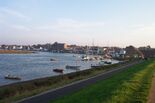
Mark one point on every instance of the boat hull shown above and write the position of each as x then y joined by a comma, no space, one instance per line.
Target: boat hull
72,67
13,78
96,66
58,70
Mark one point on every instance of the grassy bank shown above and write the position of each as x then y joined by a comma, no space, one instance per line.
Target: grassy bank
14,52
129,86
21,90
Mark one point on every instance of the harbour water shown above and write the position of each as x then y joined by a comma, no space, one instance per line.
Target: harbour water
38,65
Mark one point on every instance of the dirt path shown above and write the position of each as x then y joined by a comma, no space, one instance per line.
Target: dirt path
151,98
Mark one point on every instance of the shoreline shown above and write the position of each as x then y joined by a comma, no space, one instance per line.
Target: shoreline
46,78
15,52
16,91
130,85
67,74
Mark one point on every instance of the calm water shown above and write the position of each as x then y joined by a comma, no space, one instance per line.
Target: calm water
37,65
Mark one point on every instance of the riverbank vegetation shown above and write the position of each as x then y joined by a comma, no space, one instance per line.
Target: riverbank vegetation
129,86
14,92
15,52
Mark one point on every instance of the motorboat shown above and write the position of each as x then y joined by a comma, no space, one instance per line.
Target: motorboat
92,58
72,67
106,61
74,56
85,58
52,59
12,77
58,70
96,66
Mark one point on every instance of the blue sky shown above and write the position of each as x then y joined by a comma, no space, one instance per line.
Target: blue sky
106,22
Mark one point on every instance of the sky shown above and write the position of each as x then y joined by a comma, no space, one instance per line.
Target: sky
82,22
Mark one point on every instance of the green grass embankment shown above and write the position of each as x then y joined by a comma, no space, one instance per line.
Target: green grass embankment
129,86
19,91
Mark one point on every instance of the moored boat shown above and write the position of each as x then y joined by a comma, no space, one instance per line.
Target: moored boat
12,77
106,61
96,66
72,67
52,59
85,58
58,70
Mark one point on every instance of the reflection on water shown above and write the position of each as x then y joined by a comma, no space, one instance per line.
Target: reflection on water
32,66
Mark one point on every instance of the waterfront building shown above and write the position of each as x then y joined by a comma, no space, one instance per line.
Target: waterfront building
58,47
147,51
132,52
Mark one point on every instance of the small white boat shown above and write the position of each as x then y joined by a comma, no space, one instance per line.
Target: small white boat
12,77
74,56
106,61
96,66
85,58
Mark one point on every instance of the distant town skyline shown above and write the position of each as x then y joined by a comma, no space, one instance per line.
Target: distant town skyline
82,22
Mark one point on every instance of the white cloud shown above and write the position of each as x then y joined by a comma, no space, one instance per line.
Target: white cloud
20,27
144,30
14,13
137,26
71,25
